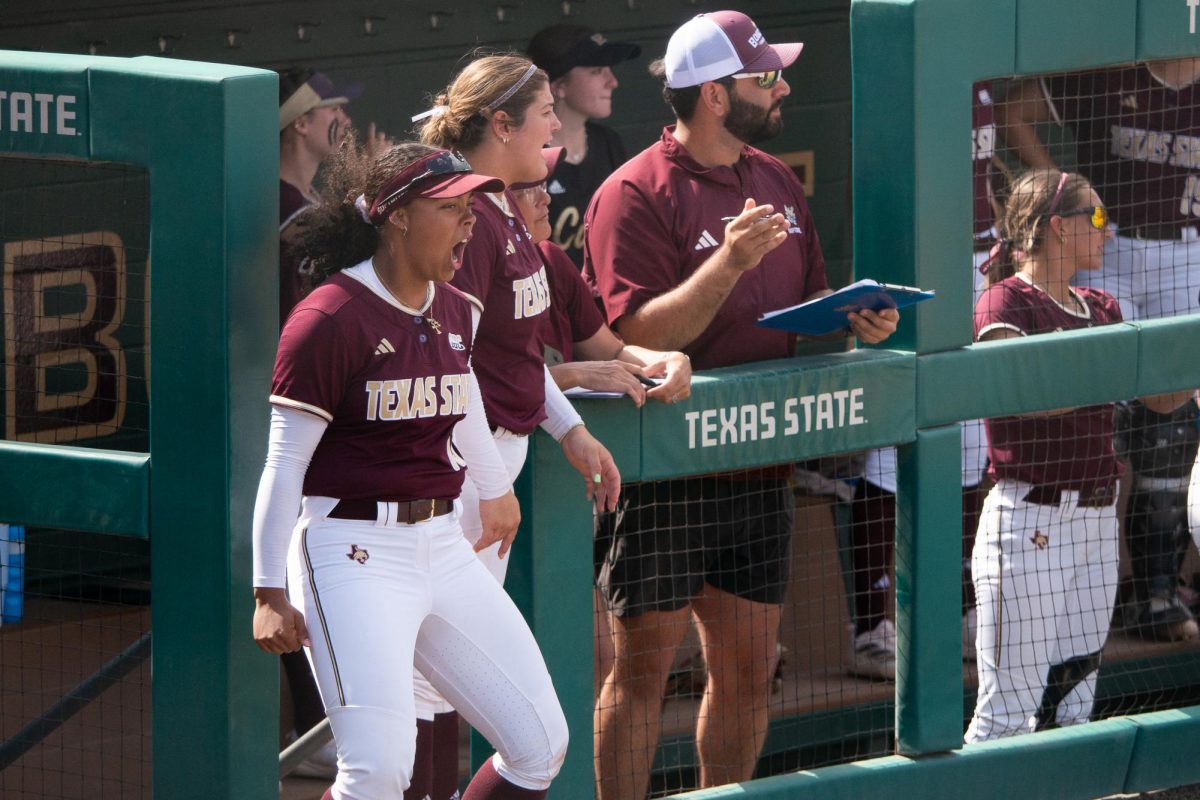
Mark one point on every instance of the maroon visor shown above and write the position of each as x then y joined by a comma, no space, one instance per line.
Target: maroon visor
440,174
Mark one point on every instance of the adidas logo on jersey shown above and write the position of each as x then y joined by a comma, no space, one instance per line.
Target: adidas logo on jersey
556,188
384,347
510,249
456,342
706,241
1129,101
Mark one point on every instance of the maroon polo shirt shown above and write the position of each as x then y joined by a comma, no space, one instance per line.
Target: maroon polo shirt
1139,142
1065,451
390,384
573,314
503,270
658,218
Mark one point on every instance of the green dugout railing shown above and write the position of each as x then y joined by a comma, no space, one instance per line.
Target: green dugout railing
206,135
914,62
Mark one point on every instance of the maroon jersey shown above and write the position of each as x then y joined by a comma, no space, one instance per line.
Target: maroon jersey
391,384
1066,451
573,314
983,147
1139,142
503,271
658,217
292,203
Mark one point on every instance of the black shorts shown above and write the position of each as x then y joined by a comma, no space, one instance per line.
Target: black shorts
668,538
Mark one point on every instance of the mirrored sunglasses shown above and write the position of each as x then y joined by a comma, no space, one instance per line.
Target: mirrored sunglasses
765,79
1097,216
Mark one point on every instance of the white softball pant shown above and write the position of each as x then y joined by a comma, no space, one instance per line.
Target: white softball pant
1045,582
513,449
418,594
1151,278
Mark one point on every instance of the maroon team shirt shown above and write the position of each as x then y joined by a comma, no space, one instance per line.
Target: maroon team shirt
1066,451
389,383
1139,142
573,314
658,217
983,147
503,271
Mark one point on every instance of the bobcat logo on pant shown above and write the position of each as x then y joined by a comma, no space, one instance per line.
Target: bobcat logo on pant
358,554
1040,539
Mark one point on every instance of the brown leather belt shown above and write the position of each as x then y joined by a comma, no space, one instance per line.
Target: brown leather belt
1099,497
408,512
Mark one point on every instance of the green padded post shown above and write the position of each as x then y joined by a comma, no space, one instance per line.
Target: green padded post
928,592
912,73
207,133
1103,32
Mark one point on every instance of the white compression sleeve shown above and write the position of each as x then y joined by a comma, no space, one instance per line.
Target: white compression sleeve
474,440
294,438
561,416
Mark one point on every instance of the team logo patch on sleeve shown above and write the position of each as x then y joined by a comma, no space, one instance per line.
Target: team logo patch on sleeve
358,554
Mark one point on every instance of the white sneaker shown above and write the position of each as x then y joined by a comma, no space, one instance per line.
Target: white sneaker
874,653
321,764
970,622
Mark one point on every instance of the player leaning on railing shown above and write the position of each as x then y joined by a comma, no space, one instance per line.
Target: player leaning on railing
1045,557
1137,129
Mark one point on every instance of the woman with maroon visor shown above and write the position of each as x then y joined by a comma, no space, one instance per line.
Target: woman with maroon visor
375,412
499,113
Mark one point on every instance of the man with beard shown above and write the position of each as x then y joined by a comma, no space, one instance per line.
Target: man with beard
686,244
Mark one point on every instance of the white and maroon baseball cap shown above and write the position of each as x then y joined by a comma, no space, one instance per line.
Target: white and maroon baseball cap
712,46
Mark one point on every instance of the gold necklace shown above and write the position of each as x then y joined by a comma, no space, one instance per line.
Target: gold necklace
434,325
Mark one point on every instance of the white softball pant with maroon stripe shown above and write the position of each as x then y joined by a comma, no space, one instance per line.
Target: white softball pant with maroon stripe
418,594
512,448
1045,582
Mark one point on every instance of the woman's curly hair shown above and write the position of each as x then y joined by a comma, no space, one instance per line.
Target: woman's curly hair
333,233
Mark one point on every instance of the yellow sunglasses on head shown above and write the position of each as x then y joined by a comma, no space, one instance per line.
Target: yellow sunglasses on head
1097,215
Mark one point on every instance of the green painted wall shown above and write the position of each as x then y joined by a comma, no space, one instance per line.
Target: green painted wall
404,62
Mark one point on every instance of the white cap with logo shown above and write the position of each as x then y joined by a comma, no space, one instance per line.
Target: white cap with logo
720,44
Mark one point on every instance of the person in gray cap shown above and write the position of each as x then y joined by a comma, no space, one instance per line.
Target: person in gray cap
579,62
687,244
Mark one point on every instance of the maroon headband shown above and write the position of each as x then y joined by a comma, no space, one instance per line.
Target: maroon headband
1062,181
440,174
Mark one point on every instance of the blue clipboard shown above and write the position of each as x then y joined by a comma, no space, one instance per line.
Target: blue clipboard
828,314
